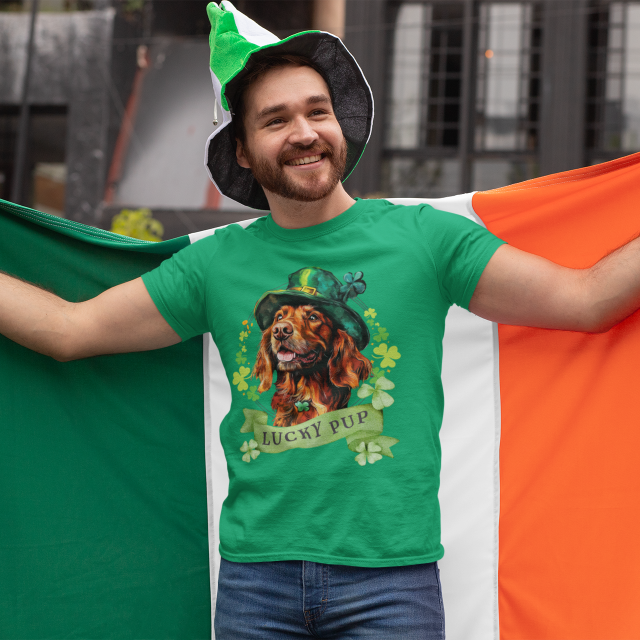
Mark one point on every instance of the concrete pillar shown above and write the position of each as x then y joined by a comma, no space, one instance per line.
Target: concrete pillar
329,15
366,37
563,90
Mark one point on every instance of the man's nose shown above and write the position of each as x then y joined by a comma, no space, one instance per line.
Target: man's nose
302,132
282,331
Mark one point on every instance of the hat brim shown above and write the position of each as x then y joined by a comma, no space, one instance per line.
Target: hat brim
352,104
345,317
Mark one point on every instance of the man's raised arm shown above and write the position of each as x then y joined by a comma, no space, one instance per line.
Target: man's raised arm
520,288
122,319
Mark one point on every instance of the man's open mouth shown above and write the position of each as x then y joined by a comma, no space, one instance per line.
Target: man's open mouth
285,355
308,160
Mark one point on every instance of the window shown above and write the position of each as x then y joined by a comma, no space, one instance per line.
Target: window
424,103
426,116
426,76
613,84
508,94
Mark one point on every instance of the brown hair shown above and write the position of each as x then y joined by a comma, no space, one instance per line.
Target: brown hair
262,66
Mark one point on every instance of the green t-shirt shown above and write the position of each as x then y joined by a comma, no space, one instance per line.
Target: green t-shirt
331,338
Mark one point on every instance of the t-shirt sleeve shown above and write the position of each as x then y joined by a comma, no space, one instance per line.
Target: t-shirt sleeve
178,288
460,249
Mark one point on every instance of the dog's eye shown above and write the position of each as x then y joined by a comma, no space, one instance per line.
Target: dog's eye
279,317
313,317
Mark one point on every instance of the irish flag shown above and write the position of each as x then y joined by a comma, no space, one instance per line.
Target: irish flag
112,474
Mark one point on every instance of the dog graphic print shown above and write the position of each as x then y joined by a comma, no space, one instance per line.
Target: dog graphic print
311,339
310,360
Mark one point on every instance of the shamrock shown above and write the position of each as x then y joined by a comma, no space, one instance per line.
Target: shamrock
370,313
381,398
250,450
239,378
243,335
388,355
302,406
240,359
383,334
376,373
252,395
368,453
354,287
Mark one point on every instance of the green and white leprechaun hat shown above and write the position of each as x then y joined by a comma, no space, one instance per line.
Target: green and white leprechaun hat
237,42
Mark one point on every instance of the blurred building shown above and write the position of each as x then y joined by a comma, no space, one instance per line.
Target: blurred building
475,95
469,95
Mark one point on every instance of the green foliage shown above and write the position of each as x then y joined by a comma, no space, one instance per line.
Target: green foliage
130,6
137,223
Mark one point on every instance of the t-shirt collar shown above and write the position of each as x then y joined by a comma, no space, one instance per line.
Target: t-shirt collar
316,230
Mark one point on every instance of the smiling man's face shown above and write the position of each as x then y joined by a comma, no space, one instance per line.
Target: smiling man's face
293,142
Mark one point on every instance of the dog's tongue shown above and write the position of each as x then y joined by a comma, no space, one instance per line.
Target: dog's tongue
287,356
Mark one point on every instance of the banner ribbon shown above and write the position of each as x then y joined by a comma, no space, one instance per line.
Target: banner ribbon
357,424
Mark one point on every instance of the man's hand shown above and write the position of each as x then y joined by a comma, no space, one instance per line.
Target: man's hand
520,288
120,320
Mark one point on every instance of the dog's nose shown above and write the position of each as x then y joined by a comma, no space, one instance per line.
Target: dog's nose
282,331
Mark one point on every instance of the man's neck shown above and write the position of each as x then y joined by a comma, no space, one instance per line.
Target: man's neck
292,214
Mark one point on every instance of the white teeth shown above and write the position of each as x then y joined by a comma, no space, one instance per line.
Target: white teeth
309,160
286,356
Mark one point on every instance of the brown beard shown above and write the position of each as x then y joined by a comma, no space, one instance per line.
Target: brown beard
274,179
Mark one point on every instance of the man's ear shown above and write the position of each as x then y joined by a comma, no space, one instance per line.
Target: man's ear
240,155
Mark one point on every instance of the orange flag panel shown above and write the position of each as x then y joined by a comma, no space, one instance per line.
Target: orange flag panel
570,449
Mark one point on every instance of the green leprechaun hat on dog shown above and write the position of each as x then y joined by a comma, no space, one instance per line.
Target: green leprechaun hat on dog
326,293
237,43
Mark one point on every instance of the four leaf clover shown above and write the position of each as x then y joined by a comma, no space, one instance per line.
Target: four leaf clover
250,450
239,378
302,406
387,354
381,398
367,453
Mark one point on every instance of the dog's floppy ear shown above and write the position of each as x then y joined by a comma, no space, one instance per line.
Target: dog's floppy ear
263,369
347,366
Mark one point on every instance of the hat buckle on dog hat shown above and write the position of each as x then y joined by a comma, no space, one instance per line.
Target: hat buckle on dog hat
322,290
237,43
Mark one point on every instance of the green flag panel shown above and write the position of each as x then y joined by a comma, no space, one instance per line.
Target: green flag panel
103,509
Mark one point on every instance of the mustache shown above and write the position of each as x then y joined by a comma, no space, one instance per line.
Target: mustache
314,149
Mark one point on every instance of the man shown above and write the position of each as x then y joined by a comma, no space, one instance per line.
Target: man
319,538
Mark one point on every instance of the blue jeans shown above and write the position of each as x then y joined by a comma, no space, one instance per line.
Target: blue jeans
300,599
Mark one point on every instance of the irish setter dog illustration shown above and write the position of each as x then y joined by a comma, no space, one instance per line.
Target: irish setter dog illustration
316,362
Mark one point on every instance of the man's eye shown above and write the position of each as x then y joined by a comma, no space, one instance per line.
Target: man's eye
275,121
